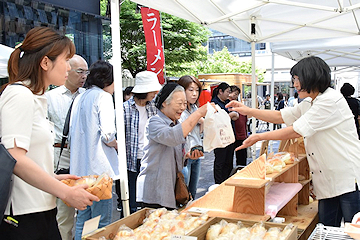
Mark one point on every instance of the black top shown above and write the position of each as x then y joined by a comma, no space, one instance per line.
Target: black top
354,107
222,104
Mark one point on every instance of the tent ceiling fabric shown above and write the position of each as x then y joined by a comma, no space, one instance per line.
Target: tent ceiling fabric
275,20
344,51
5,53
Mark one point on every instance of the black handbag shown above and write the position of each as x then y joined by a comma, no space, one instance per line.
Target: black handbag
7,164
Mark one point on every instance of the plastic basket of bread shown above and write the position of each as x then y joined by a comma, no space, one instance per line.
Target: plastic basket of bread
100,186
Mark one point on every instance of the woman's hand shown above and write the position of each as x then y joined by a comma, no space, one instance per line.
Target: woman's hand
234,116
203,109
66,176
238,107
249,141
195,154
356,218
79,198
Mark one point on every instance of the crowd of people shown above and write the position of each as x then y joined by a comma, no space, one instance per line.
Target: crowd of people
70,131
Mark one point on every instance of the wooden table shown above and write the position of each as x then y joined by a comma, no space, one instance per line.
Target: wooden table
306,219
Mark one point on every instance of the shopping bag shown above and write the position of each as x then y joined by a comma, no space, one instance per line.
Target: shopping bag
7,163
218,132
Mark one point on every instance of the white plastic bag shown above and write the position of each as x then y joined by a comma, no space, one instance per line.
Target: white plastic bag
218,132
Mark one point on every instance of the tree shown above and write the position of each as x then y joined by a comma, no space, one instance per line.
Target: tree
223,62
182,40
184,48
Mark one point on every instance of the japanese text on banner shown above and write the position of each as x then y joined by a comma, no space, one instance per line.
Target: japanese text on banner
154,48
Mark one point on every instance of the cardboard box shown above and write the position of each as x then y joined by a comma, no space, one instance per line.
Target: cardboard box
200,232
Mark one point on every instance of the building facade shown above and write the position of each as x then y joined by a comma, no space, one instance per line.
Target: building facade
80,20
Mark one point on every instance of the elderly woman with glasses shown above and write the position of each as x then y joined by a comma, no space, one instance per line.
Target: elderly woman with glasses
164,148
326,122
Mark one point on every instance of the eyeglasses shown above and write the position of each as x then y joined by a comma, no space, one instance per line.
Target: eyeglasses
294,80
81,71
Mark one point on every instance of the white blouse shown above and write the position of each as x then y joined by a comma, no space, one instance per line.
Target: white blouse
24,120
331,142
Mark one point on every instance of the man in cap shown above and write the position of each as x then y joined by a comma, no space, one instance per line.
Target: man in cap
137,110
59,101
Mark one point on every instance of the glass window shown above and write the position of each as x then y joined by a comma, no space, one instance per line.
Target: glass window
19,16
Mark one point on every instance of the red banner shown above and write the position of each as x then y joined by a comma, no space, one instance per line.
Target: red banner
154,49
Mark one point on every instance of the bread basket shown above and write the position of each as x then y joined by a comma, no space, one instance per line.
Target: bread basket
101,187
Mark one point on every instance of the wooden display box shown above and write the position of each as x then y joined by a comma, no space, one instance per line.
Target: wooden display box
109,232
243,195
133,221
200,233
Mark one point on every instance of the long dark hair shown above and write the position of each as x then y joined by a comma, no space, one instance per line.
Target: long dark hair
223,86
24,61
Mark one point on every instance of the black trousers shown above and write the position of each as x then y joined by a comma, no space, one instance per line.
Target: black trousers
224,163
132,177
241,155
33,226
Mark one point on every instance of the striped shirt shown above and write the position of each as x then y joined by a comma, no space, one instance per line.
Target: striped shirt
131,121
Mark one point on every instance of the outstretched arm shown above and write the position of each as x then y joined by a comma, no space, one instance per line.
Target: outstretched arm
265,115
280,134
193,119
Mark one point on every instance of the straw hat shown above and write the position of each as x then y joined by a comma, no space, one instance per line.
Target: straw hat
145,82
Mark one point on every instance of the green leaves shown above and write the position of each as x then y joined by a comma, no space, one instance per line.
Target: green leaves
184,46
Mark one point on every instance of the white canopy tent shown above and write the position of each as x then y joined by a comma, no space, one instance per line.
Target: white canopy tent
341,53
5,52
336,52
254,21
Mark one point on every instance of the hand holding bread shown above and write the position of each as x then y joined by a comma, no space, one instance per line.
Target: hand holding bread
100,187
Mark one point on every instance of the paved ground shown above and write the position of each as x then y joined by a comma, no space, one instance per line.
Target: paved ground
206,175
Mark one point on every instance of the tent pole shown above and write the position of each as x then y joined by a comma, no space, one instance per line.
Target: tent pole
253,94
272,92
253,81
115,33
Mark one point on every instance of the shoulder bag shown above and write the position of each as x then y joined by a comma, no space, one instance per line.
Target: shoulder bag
182,194
7,164
63,140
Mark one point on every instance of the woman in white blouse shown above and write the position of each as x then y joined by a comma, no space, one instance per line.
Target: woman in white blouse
325,121
26,132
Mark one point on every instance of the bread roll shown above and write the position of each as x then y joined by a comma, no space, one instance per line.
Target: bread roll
90,181
277,164
286,157
213,232
229,228
269,168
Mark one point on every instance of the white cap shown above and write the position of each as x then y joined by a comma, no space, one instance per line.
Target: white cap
145,82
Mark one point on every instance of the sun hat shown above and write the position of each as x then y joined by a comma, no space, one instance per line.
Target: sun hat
145,82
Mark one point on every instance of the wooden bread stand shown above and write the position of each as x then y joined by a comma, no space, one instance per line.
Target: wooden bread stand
243,195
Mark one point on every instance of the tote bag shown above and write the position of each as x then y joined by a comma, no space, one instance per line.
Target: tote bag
7,163
218,132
